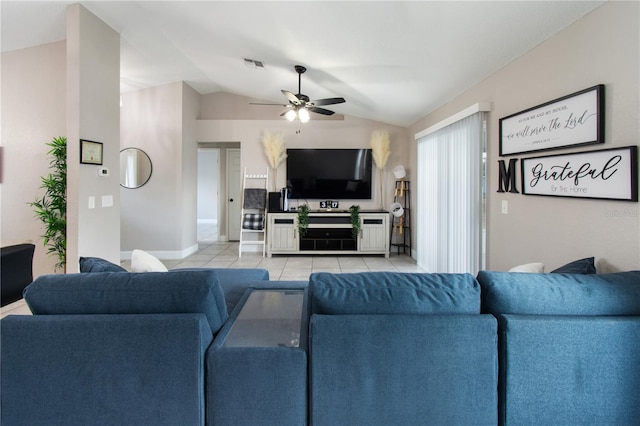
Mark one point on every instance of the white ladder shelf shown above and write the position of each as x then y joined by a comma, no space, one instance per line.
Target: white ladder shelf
253,229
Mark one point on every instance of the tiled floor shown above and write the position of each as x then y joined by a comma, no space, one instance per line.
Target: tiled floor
218,254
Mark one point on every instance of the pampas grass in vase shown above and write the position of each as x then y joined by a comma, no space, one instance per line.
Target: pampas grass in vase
275,151
380,149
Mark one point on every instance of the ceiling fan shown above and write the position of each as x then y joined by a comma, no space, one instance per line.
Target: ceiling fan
299,105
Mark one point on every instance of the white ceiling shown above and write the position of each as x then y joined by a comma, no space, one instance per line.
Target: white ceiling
392,61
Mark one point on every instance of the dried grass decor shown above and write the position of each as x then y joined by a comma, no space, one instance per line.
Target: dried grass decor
380,149
275,151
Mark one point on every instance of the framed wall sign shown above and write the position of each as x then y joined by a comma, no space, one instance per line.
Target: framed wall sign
610,174
90,152
575,119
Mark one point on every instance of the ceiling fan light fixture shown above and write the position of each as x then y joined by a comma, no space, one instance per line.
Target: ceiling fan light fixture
303,114
290,115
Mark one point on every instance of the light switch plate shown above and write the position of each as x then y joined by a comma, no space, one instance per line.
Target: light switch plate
107,200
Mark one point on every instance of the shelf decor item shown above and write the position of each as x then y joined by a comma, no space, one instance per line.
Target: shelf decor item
90,152
355,220
275,151
400,237
303,219
380,150
51,208
572,120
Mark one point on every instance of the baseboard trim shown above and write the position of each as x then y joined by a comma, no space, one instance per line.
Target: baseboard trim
208,221
165,254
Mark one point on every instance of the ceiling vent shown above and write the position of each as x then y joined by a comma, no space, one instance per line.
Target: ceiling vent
252,63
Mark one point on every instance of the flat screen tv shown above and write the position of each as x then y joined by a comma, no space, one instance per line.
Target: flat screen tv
329,174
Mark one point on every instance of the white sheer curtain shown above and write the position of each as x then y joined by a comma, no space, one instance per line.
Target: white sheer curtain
450,222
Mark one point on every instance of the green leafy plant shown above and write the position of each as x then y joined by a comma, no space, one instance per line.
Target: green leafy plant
355,221
51,208
303,219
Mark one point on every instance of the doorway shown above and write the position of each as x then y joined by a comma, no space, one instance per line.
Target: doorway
219,194
208,194
233,194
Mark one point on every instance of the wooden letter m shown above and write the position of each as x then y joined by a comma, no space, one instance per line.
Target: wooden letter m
507,176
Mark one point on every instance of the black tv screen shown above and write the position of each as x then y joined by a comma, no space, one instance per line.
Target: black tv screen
329,174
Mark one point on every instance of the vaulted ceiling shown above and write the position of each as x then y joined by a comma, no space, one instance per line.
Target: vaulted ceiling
392,61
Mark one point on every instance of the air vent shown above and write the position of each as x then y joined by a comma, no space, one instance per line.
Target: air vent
252,63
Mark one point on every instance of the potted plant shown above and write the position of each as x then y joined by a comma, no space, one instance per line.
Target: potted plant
303,219
51,208
355,221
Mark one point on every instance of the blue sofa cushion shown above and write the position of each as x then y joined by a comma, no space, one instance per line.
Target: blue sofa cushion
129,293
96,264
581,266
569,370
234,281
380,370
560,294
393,293
104,370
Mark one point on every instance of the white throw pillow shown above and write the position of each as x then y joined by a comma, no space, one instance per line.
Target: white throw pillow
142,261
536,268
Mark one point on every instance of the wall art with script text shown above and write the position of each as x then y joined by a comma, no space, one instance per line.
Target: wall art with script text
575,119
610,174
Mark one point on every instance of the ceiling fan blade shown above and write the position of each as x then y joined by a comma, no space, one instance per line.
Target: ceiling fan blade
292,98
320,111
328,101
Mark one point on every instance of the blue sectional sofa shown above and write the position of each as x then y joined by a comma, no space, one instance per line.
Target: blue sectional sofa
569,347
400,349
375,348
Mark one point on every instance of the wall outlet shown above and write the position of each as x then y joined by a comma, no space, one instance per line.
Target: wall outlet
505,207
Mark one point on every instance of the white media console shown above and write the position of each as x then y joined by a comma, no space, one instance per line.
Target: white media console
329,232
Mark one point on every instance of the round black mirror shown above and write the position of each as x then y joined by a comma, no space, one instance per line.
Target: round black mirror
135,168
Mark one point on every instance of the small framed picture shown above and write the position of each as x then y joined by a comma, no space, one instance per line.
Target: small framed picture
90,152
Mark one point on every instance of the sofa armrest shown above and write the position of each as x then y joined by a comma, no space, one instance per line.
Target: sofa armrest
103,369
569,369
16,271
403,369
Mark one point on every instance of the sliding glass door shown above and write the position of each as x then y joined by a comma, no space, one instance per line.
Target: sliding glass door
451,197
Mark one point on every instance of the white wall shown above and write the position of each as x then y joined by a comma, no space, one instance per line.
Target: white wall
189,182
601,48
160,216
348,133
208,184
33,113
93,83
